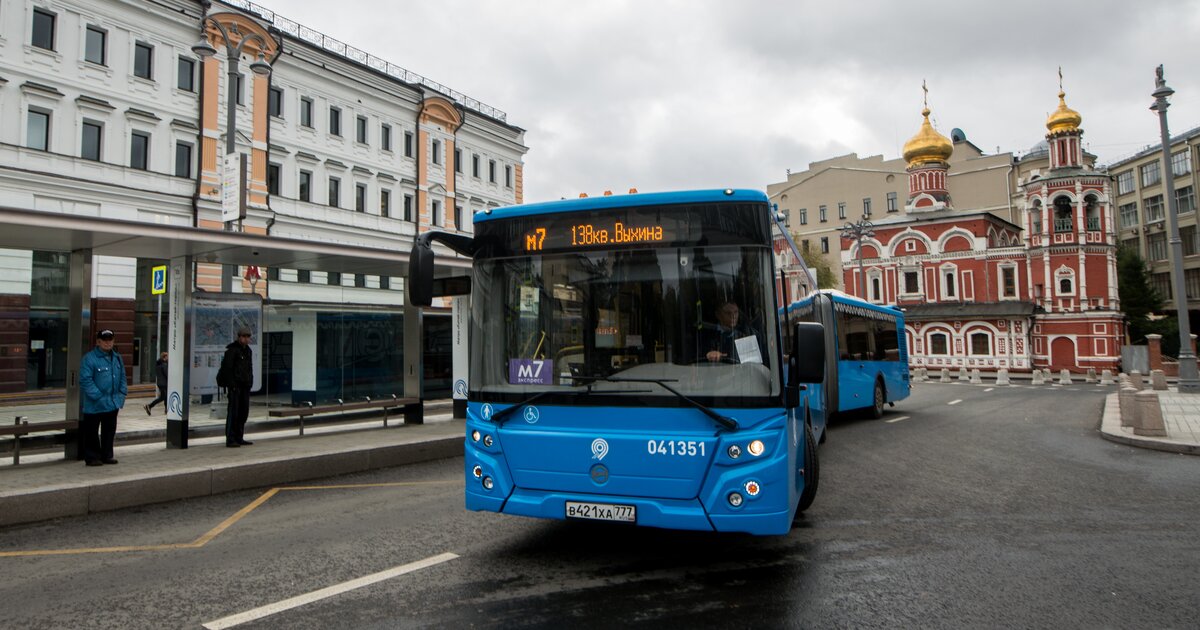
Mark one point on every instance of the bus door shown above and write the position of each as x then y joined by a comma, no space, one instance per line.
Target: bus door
856,352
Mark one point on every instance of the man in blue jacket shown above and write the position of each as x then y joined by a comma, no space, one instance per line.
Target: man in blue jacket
102,381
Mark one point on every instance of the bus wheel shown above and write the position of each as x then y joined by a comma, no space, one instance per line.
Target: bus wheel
878,401
812,471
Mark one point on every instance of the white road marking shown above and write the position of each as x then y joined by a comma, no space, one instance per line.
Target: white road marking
954,402
896,419
989,389
337,589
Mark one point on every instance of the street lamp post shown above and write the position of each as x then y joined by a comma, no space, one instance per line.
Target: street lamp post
1189,376
855,232
204,50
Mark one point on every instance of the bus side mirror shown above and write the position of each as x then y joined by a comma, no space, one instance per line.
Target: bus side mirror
420,273
808,354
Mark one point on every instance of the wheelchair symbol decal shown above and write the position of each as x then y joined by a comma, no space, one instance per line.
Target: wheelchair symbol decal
531,415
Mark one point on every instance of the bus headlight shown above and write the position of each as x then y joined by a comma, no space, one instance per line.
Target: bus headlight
487,440
735,499
475,435
477,471
488,483
756,448
752,488
734,451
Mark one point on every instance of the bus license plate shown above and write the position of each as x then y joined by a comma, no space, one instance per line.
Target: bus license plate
602,512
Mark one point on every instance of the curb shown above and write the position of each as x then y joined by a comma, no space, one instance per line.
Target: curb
23,507
1110,429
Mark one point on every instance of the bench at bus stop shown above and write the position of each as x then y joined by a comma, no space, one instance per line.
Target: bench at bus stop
22,427
412,408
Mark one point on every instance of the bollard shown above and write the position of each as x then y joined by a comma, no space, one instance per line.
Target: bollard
945,375
1091,375
1135,377
1038,379
962,374
1158,380
1149,415
1002,377
1064,377
1106,377
1128,406
924,374
975,378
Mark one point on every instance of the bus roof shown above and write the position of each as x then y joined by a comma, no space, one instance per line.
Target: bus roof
623,201
846,298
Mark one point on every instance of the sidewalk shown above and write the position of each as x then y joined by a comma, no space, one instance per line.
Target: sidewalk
1181,417
45,486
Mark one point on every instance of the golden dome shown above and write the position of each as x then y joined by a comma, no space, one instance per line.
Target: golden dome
1064,119
928,146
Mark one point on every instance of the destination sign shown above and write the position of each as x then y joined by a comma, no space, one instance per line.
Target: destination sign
591,235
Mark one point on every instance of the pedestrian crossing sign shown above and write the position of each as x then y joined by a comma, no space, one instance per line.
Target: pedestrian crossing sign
158,280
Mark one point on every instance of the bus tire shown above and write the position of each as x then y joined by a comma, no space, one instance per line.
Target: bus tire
878,400
812,471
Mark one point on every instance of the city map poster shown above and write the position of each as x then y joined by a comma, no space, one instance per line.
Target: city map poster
215,321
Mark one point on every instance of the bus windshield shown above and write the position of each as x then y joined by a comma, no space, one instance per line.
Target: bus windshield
699,318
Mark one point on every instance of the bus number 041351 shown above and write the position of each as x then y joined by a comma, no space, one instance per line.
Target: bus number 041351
683,448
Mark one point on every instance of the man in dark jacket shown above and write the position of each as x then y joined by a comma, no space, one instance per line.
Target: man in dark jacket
160,381
237,376
102,383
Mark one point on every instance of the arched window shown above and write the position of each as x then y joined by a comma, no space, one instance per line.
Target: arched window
1035,217
1091,206
939,343
1062,214
1065,287
981,344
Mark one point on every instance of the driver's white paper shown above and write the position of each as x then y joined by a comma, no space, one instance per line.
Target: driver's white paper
747,349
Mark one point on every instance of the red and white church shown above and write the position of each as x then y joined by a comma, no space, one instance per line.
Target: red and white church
981,292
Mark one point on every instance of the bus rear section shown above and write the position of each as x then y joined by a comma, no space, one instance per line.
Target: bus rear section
626,365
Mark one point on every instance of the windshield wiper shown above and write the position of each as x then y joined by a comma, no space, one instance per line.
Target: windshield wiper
725,421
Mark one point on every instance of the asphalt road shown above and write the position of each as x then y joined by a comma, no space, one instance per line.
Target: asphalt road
1004,509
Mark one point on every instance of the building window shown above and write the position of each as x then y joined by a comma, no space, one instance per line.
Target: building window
435,149
37,131
183,159
1151,174
275,102
458,217
981,344
1008,282
1185,199
1156,246
1191,282
492,171
274,174
866,206
939,343
1188,234
804,216
457,160
335,191
303,275
1162,284
385,203
306,111
475,166
508,177
360,197
43,29
821,214
1125,183
437,213
360,129
912,282
1065,286
95,47
143,60
1154,208
90,142
335,121
334,278
891,202
949,290
186,80
824,244
305,186
1129,214
385,282
841,210
804,244
408,207
876,287
1181,163
408,144
385,137
360,280
139,150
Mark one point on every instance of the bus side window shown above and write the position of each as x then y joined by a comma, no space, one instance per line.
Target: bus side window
887,341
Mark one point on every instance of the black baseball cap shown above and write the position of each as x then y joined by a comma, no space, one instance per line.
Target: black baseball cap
105,334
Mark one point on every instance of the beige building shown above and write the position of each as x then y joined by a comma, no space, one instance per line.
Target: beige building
1141,213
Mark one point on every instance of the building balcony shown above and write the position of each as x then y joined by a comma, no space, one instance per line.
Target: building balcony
1093,224
1063,225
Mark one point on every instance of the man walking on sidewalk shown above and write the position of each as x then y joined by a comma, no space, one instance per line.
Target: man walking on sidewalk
102,381
237,376
160,381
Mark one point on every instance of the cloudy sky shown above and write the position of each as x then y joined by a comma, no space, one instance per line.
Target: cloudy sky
672,94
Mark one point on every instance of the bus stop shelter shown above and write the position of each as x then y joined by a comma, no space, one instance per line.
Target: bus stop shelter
87,236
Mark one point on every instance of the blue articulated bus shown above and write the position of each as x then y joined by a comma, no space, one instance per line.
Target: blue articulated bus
627,363
866,353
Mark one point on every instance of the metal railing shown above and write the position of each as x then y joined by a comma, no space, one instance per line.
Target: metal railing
1063,225
312,36
1093,224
